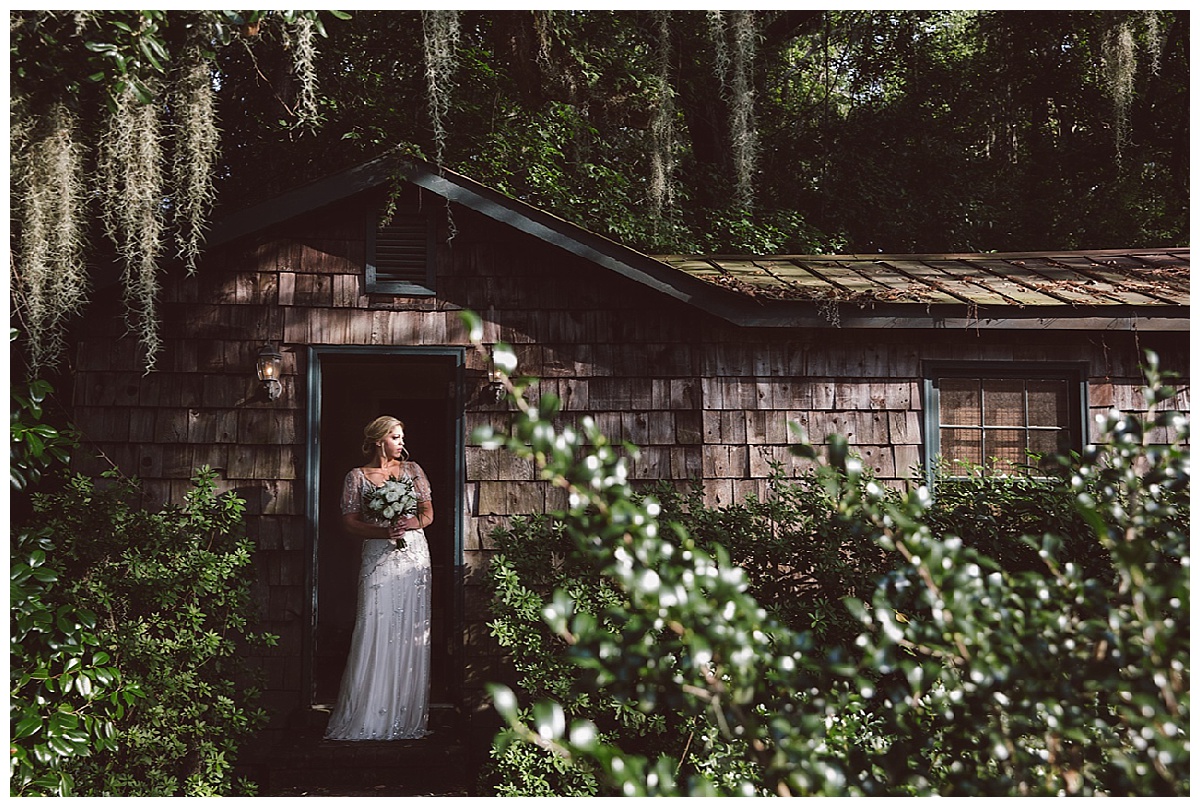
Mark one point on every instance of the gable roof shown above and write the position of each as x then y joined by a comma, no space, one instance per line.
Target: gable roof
1091,289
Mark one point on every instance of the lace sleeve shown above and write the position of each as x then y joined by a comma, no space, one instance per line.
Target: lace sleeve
420,482
352,492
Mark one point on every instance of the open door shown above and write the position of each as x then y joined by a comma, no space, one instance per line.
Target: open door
356,385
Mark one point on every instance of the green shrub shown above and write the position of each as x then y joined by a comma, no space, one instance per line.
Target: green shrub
124,628
969,679
170,594
801,556
534,561
1072,679
65,694
991,513
35,445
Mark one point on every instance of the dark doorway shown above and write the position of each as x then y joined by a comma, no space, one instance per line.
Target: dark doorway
421,389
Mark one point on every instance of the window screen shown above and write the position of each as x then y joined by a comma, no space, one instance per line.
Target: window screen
997,419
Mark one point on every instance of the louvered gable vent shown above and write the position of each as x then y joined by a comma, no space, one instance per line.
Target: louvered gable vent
400,260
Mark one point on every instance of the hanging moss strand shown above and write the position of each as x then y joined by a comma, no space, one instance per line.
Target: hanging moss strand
662,157
197,144
50,282
132,190
742,127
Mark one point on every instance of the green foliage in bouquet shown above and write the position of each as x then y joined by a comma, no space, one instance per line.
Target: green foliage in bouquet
393,501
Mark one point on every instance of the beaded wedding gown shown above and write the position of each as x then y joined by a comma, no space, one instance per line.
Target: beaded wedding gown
385,688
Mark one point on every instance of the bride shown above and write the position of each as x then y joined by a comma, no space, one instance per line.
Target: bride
385,688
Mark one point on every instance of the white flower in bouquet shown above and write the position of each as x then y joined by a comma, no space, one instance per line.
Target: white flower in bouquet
393,501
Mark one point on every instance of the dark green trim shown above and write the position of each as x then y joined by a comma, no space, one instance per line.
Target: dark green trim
312,464
302,200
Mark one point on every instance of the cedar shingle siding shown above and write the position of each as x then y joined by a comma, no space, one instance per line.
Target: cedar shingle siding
704,397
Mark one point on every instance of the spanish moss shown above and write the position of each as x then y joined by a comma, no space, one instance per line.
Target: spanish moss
131,195
1120,65
197,143
302,39
1153,40
440,30
734,70
716,33
742,129
50,282
662,156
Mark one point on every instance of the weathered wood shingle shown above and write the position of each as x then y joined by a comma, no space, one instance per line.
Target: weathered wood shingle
1045,279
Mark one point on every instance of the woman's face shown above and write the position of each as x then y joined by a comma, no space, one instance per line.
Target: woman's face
393,443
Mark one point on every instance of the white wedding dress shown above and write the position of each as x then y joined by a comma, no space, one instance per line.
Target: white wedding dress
385,688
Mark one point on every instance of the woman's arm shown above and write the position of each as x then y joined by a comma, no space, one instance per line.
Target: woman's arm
355,525
424,516
352,519
422,519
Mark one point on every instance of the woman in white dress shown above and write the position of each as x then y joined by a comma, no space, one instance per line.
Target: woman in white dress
385,688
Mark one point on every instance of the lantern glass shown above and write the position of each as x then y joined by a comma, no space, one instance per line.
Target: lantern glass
270,361
269,368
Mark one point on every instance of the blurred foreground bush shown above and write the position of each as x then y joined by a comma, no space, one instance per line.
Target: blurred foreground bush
1059,665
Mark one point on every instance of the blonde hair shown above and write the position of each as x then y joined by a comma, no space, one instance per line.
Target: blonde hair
376,430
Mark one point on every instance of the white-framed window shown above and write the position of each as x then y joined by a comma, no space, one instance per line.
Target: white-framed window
400,255
994,416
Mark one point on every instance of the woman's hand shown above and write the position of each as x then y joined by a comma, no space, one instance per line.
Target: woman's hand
397,530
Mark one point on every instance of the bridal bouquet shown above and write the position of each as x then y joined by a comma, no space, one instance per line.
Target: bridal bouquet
394,500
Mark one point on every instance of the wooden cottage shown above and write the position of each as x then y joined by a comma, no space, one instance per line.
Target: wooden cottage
699,360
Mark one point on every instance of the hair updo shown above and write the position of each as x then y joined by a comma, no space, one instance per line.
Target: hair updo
376,430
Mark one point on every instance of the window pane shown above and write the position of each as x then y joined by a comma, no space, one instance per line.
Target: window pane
1048,403
1005,445
1050,442
996,419
1003,402
961,444
960,401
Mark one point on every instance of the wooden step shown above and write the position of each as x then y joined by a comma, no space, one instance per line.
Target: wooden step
301,761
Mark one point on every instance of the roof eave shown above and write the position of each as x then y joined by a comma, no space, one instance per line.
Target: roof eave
570,237
304,199
807,314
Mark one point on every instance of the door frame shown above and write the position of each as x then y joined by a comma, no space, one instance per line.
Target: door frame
316,355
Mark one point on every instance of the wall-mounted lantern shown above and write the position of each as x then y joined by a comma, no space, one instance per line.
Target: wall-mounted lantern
494,391
270,366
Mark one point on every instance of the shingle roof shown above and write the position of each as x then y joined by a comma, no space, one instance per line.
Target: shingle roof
1156,277
1094,290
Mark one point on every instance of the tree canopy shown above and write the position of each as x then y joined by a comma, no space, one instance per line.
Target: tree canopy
672,131
797,131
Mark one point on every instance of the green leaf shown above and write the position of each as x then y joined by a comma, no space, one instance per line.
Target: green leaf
474,325
27,726
505,358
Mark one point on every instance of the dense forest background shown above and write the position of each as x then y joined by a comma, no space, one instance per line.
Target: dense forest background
669,131
796,131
